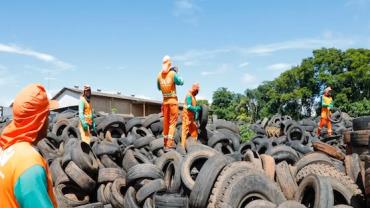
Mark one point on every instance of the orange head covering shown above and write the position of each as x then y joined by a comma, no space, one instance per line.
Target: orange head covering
166,64
30,111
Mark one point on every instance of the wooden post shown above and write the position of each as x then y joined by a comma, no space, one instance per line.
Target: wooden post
144,113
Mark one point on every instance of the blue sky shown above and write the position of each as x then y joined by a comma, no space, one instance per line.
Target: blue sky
118,45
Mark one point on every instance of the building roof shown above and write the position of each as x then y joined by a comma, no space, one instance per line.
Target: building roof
109,95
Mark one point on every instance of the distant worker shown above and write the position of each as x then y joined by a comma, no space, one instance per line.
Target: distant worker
166,82
87,123
326,106
25,179
190,114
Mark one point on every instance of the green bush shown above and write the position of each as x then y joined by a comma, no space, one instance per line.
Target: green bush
246,133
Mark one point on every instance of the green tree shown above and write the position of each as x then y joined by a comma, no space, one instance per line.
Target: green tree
225,104
297,92
202,102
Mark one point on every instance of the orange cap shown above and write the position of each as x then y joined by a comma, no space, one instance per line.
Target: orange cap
30,111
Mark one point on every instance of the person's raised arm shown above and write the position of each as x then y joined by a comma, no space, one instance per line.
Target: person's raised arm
178,80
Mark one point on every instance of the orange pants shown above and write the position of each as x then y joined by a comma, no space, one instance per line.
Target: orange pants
85,135
188,127
324,121
170,115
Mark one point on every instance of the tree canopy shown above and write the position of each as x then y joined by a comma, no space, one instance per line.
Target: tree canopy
297,91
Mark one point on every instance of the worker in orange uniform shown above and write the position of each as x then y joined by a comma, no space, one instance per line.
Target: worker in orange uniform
190,114
167,80
25,180
326,106
87,123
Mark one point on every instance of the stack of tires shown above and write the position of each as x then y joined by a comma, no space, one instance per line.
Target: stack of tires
359,137
367,179
297,137
125,165
359,140
4,122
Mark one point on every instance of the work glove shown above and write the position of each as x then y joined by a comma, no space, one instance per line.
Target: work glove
198,108
196,115
85,126
94,126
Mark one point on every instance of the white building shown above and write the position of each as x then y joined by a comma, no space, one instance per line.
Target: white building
108,102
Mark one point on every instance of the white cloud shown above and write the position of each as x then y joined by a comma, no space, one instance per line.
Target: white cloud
196,56
328,34
242,65
35,54
184,5
248,78
357,3
220,70
187,10
300,44
279,66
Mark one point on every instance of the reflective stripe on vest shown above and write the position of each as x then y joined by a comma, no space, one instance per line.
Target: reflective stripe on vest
327,100
168,95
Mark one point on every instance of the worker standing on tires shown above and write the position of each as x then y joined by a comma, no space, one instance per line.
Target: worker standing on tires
87,123
167,80
25,180
190,114
326,106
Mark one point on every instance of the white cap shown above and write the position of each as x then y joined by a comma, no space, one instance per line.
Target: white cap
166,58
87,87
327,89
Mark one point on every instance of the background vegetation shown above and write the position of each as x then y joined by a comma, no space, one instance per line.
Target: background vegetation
296,92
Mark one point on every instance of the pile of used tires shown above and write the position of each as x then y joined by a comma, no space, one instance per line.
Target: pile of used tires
284,165
4,122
